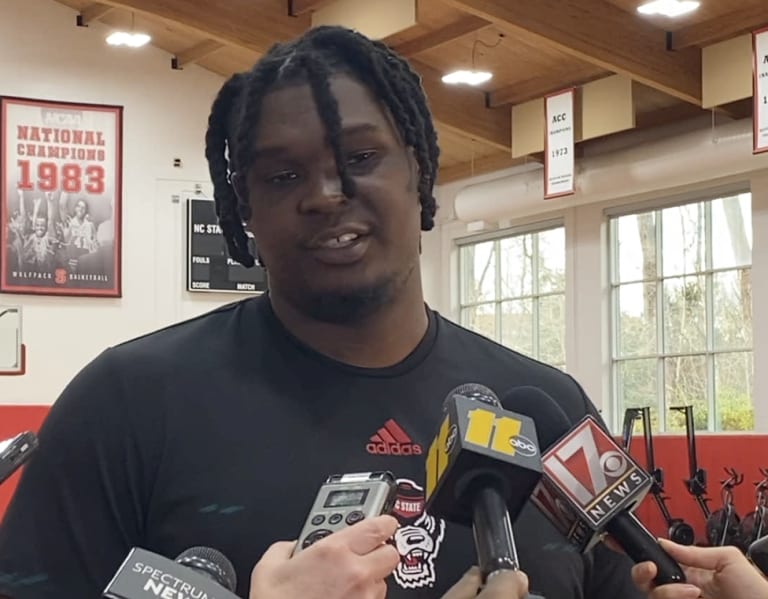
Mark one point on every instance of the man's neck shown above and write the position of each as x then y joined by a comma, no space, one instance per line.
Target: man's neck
384,339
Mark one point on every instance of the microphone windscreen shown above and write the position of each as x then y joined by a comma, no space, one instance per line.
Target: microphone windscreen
212,563
550,419
476,392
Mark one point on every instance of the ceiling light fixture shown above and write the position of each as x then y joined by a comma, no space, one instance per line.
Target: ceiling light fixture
132,40
467,77
668,8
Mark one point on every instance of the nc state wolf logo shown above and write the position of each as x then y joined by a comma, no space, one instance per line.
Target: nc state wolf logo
418,539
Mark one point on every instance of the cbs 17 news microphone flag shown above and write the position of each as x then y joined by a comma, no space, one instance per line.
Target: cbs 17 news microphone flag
60,198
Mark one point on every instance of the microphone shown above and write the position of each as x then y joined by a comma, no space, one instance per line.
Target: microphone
590,485
481,467
758,554
196,572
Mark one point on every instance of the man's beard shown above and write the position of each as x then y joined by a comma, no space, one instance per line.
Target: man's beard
350,306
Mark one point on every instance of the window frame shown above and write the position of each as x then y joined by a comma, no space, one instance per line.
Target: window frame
657,206
497,236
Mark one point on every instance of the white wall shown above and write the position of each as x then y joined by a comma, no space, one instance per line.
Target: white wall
651,172
44,55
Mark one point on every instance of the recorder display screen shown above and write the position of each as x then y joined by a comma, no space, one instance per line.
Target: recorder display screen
346,498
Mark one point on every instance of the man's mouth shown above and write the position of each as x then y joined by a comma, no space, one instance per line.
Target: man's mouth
341,241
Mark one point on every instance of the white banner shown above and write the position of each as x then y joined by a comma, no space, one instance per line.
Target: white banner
60,198
760,46
559,163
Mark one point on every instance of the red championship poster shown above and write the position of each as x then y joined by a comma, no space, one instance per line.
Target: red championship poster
60,198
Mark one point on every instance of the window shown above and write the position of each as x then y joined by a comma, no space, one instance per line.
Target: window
682,313
513,291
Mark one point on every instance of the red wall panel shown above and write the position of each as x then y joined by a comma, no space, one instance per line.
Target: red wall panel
746,453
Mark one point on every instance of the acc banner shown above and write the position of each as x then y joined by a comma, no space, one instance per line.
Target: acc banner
559,163
760,46
60,198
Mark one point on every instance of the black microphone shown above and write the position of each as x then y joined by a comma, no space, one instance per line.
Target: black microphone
480,470
196,572
758,554
590,485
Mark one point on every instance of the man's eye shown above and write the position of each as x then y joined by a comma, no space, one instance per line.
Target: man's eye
283,177
359,157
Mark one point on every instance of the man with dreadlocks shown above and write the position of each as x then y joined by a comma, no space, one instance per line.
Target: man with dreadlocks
218,431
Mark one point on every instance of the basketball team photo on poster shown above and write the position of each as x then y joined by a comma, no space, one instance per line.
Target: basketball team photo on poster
60,198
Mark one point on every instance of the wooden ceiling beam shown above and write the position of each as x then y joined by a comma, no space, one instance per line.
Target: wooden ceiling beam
481,166
731,24
541,85
302,7
443,35
93,12
463,110
240,23
600,33
196,53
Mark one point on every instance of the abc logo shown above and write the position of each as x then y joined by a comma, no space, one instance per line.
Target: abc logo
523,446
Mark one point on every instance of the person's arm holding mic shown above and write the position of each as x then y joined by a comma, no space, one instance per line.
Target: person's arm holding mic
711,572
352,563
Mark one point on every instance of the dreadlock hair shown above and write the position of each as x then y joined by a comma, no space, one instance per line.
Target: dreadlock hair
314,57
218,152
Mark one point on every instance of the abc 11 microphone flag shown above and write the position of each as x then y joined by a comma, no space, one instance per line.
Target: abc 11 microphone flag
587,481
472,436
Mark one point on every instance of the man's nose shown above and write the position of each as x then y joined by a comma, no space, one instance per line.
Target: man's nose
326,194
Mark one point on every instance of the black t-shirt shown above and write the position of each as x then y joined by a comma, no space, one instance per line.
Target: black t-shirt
219,431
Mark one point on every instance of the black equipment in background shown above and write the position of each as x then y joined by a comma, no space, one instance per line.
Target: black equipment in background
14,452
755,525
723,525
678,529
697,481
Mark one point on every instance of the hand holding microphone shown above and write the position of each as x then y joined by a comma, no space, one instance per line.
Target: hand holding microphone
351,563
712,573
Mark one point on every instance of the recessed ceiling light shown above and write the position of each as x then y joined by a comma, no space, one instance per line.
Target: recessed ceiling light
467,77
132,40
668,8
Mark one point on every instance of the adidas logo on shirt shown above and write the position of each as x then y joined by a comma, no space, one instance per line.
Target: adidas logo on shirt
390,439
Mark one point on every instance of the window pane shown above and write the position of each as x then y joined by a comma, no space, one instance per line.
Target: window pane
733,309
733,392
517,266
637,320
683,239
552,329
552,260
478,263
481,319
686,384
637,381
685,326
517,325
732,231
637,247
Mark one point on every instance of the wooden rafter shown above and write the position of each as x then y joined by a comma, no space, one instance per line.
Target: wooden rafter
438,37
600,33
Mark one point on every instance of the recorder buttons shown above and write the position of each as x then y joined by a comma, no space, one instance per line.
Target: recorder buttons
314,537
355,517
318,520
335,519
